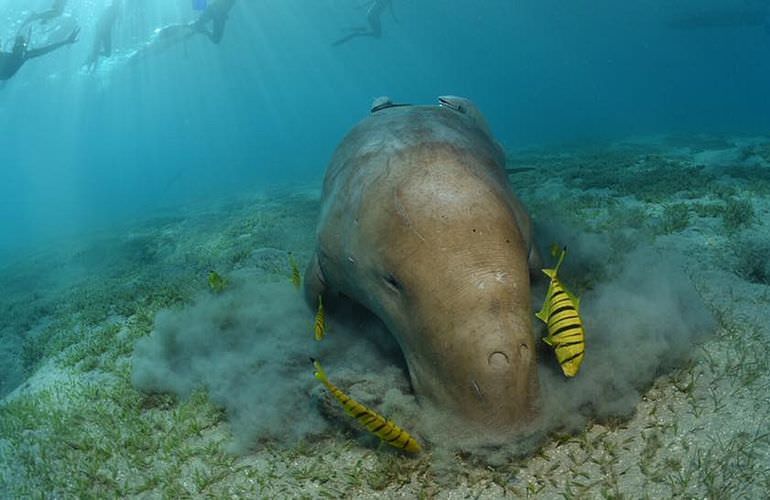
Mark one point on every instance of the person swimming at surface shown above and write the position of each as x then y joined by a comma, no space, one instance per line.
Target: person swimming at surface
373,15
11,62
102,45
216,13
55,11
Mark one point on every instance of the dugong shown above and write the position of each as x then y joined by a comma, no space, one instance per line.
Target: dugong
419,225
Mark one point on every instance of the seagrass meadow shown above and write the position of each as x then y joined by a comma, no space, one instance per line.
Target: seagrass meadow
113,347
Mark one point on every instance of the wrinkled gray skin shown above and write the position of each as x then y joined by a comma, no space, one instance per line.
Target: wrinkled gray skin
420,226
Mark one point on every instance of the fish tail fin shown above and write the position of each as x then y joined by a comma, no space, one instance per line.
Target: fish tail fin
551,273
561,259
319,373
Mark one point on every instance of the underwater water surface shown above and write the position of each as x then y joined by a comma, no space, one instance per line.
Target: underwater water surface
146,145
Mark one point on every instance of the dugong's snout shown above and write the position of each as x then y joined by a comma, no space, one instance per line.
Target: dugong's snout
487,377
501,359
505,380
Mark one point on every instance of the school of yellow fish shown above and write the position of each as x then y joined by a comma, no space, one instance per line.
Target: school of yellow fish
217,283
319,325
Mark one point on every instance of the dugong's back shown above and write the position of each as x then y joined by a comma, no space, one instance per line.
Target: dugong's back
402,128
390,147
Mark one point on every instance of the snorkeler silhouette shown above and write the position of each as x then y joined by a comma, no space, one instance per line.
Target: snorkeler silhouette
102,45
373,15
161,40
55,11
10,62
216,13
171,35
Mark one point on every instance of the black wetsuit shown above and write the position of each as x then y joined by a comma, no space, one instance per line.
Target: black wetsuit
373,19
11,62
217,14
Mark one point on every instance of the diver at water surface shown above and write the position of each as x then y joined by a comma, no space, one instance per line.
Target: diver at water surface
11,62
216,13
102,45
373,16
55,11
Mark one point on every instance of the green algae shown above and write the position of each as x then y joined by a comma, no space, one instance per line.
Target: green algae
93,435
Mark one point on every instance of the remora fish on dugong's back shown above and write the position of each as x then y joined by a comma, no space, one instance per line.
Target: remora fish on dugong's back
419,225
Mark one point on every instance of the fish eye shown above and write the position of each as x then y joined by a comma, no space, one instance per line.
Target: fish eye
393,283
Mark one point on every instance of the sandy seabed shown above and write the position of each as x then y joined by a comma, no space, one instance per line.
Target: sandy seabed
72,423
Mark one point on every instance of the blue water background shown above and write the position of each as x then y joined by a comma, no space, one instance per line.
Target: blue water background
269,104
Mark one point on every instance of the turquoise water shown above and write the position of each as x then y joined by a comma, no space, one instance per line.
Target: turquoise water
635,134
269,103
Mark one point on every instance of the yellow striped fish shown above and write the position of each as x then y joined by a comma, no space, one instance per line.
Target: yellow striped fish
320,321
296,279
375,423
561,313
217,283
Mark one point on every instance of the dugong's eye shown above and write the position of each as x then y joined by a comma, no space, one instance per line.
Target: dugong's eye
392,283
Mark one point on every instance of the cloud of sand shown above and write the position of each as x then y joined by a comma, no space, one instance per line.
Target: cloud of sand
250,346
644,319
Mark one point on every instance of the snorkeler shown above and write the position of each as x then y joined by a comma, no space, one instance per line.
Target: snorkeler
161,40
102,45
216,13
373,15
10,62
55,11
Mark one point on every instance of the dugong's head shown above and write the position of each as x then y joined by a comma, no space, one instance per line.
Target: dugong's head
455,291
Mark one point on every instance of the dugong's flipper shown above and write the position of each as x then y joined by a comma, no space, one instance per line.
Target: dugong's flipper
315,284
